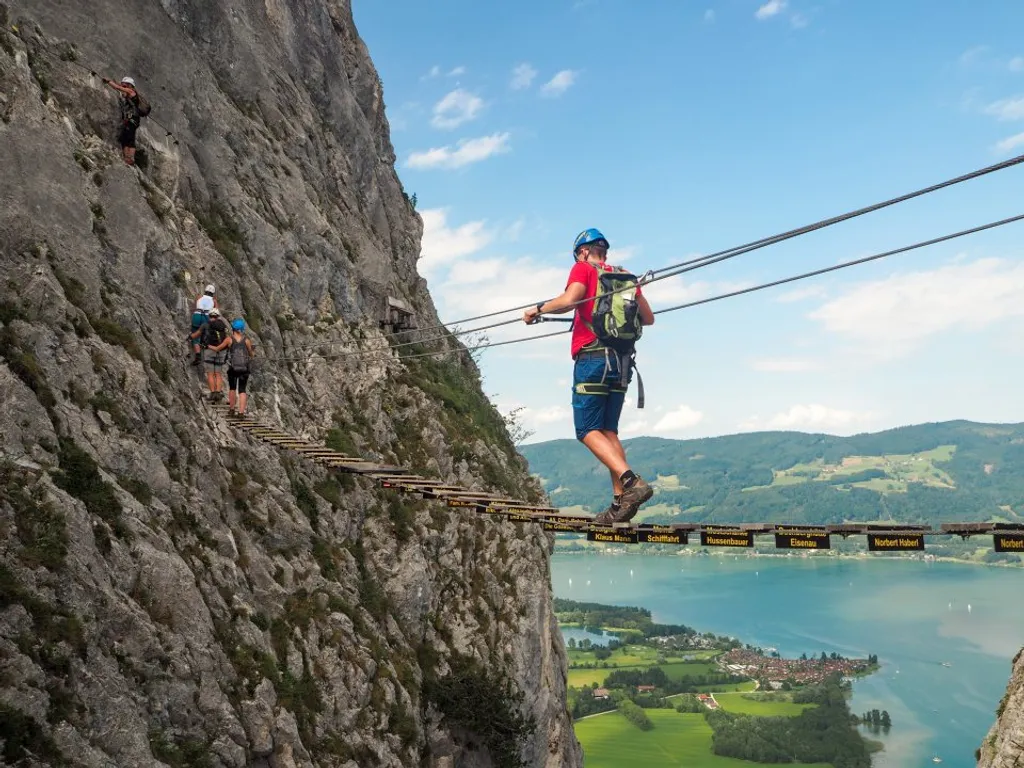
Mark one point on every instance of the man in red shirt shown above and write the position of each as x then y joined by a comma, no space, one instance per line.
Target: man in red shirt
596,415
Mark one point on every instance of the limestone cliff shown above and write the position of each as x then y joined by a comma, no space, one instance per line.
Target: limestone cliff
172,593
1004,745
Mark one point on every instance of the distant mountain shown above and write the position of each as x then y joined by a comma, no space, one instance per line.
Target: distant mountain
928,473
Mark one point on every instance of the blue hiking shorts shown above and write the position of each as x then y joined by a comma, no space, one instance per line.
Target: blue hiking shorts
597,394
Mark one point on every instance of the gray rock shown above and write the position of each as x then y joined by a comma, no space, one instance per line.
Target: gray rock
1004,744
213,597
258,718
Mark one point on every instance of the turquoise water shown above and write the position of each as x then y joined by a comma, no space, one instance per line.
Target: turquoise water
914,615
596,638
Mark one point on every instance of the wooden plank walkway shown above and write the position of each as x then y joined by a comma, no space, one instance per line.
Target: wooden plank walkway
895,537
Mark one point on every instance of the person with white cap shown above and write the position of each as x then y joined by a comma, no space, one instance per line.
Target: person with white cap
204,303
133,109
210,335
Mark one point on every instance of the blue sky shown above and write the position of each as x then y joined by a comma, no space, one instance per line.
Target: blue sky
682,128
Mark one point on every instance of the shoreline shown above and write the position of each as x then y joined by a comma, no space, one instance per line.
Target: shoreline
826,554
873,746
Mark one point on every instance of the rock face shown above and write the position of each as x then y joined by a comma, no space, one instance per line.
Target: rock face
1004,745
172,593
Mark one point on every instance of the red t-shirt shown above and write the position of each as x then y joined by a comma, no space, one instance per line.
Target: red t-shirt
586,273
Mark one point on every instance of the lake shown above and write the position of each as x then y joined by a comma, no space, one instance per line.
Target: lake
915,615
596,638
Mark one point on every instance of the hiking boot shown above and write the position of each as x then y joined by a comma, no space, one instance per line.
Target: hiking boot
196,360
215,396
633,497
609,515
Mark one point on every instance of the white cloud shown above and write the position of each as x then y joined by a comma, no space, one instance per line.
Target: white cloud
456,108
472,272
817,418
771,8
783,365
799,21
534,281
522,76
456,71
532,418
1010,143
514,230
676,290
889,317
709,15
801,294
972,55
466,287
466,151
633,427
1007,109
1016,64
622,254
553,414
443,244
681,418
434,71
559,84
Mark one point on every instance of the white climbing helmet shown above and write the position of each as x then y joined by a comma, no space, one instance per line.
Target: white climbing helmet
210,289
127,81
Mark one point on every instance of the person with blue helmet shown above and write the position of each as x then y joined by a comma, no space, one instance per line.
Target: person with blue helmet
597,404
240,352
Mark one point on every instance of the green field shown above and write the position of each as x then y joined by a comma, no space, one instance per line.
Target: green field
750,685
677,671
900,469
632,654
743,705
680,740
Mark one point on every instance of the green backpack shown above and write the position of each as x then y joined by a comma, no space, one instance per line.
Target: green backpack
616,321
616,318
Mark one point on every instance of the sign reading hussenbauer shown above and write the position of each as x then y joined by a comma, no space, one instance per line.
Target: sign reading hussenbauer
727,538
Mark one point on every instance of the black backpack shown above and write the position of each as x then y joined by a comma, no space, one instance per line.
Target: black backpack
216,331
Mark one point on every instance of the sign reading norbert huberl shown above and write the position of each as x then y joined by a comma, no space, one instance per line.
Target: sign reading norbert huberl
895,542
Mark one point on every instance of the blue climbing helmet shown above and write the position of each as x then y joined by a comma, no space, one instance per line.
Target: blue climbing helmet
238,324
589,237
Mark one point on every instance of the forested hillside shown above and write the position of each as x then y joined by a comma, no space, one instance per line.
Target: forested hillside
927,473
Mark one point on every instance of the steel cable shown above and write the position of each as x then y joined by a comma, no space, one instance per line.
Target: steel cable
382,356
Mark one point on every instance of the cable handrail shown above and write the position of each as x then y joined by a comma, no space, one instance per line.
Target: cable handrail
674,270
384,355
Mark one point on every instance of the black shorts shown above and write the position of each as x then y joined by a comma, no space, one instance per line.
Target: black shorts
239,378
127,135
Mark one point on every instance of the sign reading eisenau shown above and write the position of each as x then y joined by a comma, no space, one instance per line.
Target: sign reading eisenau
803,540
